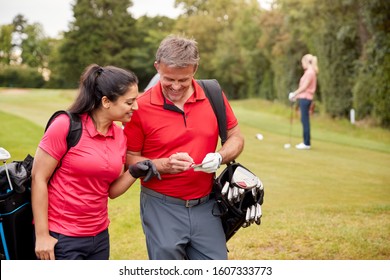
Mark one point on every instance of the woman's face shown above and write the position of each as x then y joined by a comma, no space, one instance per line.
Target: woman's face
122,109
305,62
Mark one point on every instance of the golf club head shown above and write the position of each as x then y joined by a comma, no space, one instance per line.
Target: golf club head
243,178
4,154
287,146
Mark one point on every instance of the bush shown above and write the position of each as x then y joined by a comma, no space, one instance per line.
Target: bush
20,76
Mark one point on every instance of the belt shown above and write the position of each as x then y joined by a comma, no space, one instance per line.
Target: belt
187,203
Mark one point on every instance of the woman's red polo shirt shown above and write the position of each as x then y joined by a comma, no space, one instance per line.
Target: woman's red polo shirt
78,190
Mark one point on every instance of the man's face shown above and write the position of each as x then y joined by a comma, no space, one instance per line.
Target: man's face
176,82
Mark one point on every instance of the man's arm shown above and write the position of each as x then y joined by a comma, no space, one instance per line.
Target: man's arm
233,145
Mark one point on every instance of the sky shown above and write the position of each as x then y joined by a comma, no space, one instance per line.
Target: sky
55,15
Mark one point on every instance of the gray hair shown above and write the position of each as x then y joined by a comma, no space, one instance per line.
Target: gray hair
178,51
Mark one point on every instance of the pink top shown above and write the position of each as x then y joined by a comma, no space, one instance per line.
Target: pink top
157,132
78,189
309,75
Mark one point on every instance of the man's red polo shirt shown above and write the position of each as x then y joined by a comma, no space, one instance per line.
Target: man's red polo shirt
158,132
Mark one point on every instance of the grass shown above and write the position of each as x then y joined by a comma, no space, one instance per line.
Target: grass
332,202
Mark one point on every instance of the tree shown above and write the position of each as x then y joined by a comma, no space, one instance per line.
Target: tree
227,33
282,45
6,43
150,32
24,46
371,89
239,64
102,33
204,21
337,46
35,47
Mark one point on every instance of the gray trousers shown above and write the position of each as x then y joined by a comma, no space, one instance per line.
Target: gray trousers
176,232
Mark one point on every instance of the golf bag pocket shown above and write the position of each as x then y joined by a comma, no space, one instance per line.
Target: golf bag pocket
239,195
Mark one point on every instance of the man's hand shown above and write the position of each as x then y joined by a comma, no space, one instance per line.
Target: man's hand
145,169
210,163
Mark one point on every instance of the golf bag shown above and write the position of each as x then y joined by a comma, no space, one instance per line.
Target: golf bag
16,228
239,210
233,211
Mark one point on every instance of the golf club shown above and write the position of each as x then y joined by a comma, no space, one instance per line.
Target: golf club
225,188
288,145
4,155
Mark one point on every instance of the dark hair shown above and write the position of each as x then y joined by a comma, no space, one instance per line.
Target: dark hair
96,82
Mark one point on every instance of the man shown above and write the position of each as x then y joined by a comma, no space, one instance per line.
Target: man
178,129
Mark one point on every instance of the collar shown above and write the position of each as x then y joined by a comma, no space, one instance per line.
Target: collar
157,97
90,127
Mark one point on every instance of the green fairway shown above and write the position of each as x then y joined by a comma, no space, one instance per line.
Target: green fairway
331,202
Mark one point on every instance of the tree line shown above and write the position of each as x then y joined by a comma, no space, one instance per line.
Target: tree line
252,51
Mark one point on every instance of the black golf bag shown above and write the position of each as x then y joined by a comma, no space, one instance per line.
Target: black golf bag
16,228
234,213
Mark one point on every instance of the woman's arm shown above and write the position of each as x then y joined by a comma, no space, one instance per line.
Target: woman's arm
43,167
144,168
121,185
304,83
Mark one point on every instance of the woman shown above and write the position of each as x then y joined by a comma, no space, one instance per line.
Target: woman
305,95
70,189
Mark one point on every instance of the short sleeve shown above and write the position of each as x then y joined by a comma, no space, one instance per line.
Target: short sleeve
134,134
54,140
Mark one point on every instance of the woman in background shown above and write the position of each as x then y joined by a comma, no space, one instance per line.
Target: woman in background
305,95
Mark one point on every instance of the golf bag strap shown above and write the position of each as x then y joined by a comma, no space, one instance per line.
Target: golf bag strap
75,127
4,242
213,92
